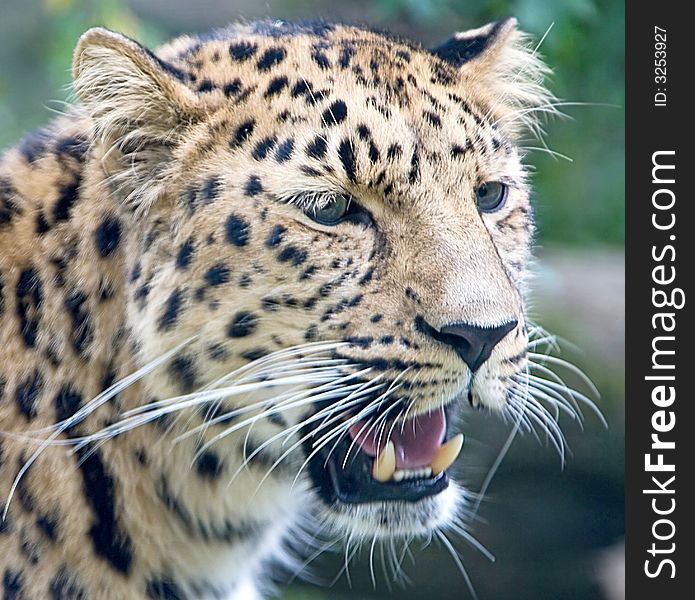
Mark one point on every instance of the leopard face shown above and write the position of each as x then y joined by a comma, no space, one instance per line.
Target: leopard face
339,188
299,251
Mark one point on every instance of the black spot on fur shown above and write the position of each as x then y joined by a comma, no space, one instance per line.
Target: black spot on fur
65,586
108,235
217,274
218,352
442,74
206,86
284,151
244,323
275,86
29,302
310,171
292,254
360,341
366,136
184,255
66,200
321,59
335,113
367,277
142,293
242,133
42,226
237,230
6,523
394,151
253,186
317,148
345,56
183,369
325,289
355,300
5,215
28,392
75,147
264,147
136,272
13,585
270,303
67,402
457,151
232,87
300,88
108,538
209,465
310,303
255,354
308,272
8,208
433,119
171,310
411,294
346,152
414,172
211,189
24,496
82,333
29,548
376,318
164,588
271,57
48,524
311,333
242,50
275,236
33,145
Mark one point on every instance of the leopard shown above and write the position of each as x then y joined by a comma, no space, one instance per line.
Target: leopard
250,281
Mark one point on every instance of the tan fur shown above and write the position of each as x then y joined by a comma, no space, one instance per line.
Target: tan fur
101,209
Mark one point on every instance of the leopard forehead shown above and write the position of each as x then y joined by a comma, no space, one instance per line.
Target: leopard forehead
275,77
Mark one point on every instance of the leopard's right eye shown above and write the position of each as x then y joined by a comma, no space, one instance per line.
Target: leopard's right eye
490,196
331,213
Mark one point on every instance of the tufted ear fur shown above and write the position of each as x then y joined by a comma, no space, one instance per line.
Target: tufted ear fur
139,105
498,60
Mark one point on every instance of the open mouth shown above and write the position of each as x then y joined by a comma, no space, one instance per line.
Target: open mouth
404,461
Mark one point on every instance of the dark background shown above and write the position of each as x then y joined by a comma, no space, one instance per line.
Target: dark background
556,532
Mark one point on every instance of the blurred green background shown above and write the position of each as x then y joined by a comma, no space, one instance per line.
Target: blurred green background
556,532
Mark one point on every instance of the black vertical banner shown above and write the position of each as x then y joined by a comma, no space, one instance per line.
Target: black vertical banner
660,265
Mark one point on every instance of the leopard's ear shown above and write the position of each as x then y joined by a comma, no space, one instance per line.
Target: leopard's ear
499,61
478,45
141,109
126,88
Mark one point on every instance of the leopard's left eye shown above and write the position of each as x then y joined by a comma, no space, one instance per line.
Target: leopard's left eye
332,212
491,196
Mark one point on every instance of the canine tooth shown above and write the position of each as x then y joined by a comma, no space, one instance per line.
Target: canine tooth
385,464
447,454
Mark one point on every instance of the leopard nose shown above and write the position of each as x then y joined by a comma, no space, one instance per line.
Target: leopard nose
474,343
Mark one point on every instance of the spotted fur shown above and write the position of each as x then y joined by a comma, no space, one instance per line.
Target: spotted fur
167,211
